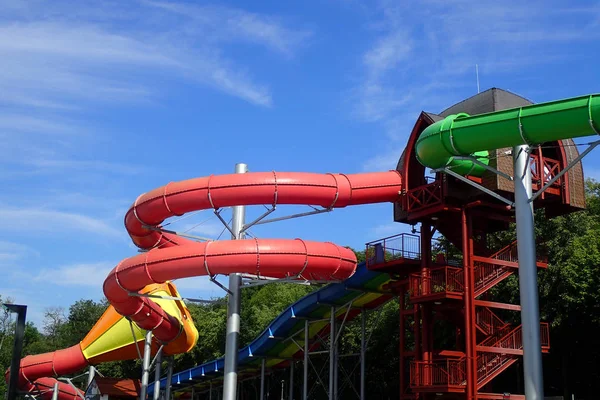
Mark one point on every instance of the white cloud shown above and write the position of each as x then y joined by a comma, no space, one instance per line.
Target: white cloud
88,275
26,123
383,161
93,54
90,165
232,24
62,59
11,253
34,220
388,52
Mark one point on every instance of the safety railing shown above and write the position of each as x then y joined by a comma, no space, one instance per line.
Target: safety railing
439,280
491,364
407,246
437,373
510,253
489,321
513,339
424,196
543,172
487,273
403,245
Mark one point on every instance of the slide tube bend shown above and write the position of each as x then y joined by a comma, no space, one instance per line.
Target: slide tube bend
169,256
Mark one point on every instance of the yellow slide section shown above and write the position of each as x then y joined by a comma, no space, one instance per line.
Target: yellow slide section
114,338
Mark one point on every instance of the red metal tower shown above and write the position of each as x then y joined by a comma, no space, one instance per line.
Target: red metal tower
460,342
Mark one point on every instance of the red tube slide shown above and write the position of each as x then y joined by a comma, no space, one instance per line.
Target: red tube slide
172,257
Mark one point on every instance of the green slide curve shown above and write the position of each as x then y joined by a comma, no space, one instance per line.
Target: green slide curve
464,135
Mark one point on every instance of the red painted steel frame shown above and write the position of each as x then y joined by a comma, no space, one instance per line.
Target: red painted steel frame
172,257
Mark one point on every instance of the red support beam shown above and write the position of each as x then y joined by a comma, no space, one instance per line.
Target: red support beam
470,333
493,304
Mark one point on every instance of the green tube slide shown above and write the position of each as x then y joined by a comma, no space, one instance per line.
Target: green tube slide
464,135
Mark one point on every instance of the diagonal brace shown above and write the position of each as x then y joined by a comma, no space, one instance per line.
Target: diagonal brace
476,185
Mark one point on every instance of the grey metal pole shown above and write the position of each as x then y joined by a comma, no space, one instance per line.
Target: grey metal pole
17,348
306,349
146,365
233,306
55,391
169,379
336,360
91,375
157,372
363,352
291,396
528,287
210,390
331,352
262,379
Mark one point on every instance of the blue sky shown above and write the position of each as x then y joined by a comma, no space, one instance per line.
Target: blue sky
102,101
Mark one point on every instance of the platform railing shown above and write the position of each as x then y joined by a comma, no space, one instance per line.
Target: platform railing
439,280
403,245
406,246
489,321
424,196
437,373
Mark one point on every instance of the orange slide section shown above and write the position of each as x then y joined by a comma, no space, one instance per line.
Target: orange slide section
172,257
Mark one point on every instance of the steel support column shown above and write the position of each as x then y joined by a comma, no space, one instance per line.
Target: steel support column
169,379
291,391
55,391
157,372
401,341
363,353
306,350
233,306
262,379
528,287
470,333
17,348
332,357
426,339
146,365
91,375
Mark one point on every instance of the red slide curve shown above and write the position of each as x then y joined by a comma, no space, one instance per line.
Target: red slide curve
173,257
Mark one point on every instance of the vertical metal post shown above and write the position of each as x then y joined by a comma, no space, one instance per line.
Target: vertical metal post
336,369
331,352
169,379
426,311
471,389
306,349
91,375
233,306
262,379
193,393
210,390
363,352
528,288
291,396
156,394
146,365
17,348
55,391
402,346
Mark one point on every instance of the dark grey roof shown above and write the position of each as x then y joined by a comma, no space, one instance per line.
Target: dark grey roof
434,117
491,100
